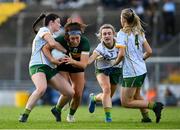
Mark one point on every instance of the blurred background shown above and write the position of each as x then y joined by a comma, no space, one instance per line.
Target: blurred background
162,31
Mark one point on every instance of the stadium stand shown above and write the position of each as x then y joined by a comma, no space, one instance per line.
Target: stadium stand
19,44
9,9
89,14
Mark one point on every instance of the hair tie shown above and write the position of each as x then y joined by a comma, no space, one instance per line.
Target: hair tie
75,32
131,18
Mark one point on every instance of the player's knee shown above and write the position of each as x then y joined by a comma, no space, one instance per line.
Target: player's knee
71,93
40,91
124,103
137,97
107,91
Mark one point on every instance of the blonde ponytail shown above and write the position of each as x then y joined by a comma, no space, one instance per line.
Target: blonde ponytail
135,23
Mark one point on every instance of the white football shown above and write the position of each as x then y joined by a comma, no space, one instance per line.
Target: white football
57,54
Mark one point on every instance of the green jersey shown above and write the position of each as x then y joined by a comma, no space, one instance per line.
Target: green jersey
75,52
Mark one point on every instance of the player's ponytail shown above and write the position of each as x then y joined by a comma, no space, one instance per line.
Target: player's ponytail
42,16
135,23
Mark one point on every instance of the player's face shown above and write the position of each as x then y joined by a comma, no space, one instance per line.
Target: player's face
56,24
74,39
107,36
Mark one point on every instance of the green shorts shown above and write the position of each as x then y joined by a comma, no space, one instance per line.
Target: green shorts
134,81
48,71
115,74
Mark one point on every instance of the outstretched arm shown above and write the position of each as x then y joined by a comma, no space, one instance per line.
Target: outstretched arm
92,57
79,64
120,57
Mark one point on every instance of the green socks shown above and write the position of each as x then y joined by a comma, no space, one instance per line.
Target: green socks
26,111
94,98
151,105
72,111
145,115
58,108
107,112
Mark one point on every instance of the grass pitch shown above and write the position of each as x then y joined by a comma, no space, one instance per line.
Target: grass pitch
123,118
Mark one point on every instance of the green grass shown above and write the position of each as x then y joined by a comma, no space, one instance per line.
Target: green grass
41,118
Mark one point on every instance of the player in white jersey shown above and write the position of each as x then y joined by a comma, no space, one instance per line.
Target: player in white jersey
108,76
131,39
40,68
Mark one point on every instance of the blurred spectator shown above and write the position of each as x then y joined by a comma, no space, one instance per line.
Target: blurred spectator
115,3
26,1
139,8
38,2
71,4
151,9
61,31
64,20
7,0
169,18
75,17
75,4
61,4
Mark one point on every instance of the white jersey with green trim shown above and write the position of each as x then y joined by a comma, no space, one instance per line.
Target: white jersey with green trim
37,56
106,56
133,63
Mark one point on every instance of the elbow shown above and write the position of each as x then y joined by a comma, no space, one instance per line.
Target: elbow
84,66
52,44
150,52
89,62
122,56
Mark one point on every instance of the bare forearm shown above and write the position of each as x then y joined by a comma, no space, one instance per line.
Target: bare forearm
146,55
148,50
53,44
93,57
90,60
48,55
118,60
79,64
